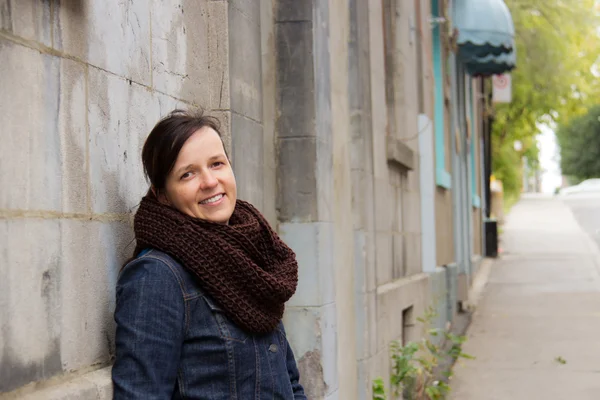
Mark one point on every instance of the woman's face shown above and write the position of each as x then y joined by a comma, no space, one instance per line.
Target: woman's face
202,184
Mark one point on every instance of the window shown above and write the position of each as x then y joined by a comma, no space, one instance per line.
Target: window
442,177
474,147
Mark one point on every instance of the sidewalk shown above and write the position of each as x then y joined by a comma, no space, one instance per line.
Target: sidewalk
536,330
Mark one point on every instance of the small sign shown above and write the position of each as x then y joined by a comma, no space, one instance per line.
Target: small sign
502,92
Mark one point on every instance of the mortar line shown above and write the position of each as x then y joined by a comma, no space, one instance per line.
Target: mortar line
45,214
33,45
245,117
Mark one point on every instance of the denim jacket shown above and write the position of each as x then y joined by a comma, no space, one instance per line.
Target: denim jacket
174,342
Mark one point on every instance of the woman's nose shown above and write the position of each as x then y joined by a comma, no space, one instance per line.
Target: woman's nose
208,180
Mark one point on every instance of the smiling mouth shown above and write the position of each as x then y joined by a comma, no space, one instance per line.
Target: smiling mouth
213,199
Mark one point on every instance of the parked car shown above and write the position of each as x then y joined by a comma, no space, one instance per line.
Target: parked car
587,186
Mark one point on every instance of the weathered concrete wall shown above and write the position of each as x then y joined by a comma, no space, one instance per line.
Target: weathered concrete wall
83,83
388,92
320,104
443,204
477,142
305,176
339,19
443,226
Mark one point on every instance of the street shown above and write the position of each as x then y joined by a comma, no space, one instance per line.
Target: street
535,330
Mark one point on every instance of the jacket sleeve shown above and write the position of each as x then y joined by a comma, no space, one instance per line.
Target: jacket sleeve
150,317
293,372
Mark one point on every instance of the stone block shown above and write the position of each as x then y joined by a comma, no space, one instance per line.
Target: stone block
371,273
355,92
117,134
96,385
396,175
312,335
399,154
452,290
79,390
326,199
180,51
294,11
376,366
384,260
366,325
30,155
359,197
250,9
413,253
269,105
313,245
333,396
43,159
29,19
30,300
224,118
218,55
102,380
73,136
364,261
393,299
383,205
396,209
92,255
5,16
360,262
296,80
412,182
358,141
297,180
114,37
399,254
377,90
166,104
411,212
245,64
247,156
439,297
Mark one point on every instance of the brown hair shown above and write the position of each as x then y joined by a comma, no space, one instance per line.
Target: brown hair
166,140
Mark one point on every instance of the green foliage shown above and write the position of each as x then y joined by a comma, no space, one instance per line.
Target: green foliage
579,142
415,366
379,389
557,46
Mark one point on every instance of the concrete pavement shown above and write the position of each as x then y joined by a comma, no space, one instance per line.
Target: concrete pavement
536,329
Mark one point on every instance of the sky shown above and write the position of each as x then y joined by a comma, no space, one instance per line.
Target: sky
549,159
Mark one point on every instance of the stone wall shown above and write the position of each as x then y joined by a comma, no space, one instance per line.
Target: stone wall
320,105
83,82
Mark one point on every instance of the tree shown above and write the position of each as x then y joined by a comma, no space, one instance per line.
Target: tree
579,141
557,44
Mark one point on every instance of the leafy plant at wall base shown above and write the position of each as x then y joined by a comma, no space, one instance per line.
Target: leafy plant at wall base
415,366
379,389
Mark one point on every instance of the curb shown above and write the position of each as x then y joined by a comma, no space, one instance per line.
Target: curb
479,284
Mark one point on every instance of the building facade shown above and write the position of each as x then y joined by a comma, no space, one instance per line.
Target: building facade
351,125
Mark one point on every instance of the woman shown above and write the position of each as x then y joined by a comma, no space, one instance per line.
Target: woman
199,308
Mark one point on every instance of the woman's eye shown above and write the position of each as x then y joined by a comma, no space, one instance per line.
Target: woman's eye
218,164
186,175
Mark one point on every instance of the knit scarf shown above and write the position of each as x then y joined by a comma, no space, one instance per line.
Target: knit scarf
244,266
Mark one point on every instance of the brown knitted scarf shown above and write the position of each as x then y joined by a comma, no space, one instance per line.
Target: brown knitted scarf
244,266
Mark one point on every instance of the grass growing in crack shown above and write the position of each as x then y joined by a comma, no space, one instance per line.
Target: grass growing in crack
415,371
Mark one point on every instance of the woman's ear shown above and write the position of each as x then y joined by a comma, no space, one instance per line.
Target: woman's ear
160,196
